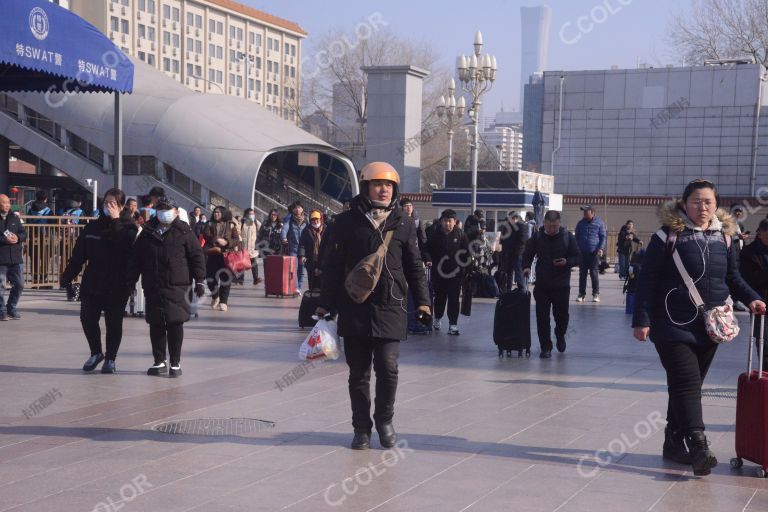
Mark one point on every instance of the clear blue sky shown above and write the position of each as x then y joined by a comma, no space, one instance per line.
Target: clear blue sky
636,30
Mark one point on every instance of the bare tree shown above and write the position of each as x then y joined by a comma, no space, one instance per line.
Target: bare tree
722,29
338,73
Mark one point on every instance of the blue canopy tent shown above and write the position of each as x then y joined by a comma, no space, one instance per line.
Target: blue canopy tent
47,49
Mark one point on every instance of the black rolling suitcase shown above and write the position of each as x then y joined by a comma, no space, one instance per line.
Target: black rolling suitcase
512,323
308,306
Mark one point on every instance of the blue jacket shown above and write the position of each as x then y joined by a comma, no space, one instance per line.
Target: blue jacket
590,235
292,232
662,301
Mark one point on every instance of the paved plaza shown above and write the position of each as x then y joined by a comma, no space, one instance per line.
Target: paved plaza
578,432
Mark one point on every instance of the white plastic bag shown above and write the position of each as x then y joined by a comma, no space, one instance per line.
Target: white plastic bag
321,343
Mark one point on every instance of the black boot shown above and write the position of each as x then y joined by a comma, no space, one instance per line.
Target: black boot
674,447
387,435
702,458
361,441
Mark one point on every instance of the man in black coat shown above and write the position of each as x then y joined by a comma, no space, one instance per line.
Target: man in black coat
474,224
373,329
105,246
448,255
557,253
168,257
753,266
514,235
12,235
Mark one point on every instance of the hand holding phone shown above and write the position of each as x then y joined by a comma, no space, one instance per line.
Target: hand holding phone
560,262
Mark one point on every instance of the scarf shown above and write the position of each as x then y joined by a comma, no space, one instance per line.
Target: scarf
317,236
378,213
299,220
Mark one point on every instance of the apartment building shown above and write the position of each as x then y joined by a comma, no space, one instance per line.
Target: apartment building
507,141
212,46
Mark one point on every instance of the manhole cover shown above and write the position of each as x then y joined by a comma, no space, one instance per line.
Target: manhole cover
214,426
719,394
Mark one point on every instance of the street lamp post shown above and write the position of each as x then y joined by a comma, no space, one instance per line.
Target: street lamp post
248,60
448,109
477,74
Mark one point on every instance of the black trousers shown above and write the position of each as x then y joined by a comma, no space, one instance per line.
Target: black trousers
447,290
91,307
590,263
555,299
359,352
514,270
686,367
170,336
219,277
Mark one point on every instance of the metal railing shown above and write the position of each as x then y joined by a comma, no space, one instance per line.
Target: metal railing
48,248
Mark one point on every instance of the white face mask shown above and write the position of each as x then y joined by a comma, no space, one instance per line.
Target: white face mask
316,224
203,219
166,216
252,217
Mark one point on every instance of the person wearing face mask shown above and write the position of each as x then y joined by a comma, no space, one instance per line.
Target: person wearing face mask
104,247
294,226
309,248
221,234
249,232
167,257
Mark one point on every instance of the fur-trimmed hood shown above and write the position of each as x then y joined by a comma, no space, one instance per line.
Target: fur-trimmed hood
673,217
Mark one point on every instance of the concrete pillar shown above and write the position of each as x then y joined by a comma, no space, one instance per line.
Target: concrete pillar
394,120
5,166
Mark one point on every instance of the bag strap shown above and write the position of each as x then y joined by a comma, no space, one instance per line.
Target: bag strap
692,290
388,239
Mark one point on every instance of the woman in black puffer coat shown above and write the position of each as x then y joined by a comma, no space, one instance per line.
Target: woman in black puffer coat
104,248
701,234
168,257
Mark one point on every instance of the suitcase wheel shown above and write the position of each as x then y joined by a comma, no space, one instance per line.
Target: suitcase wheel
736,462
509,353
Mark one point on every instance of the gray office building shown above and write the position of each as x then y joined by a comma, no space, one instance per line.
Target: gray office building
650,131
533,122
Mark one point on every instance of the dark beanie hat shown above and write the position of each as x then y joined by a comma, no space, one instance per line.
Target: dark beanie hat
448,214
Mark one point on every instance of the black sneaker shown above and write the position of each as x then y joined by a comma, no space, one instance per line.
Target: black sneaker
109,366
546,354
175,371
560,345
361,441
14,315
3,317
93,362
158,369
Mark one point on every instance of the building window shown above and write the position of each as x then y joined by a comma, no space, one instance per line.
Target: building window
231,79
143,56
198,71
142,5
151,33
269,43
287,71
151,59
166,38
176,40
190,44
293,50
220,77
258,62
167,12
190,70
198,21
151,7
115,24
232,56
190,19
220,52
293,72
166,64
285,91
125,28
212,50
220,28
211,26
142,31
239,34
199,47
231,32
258,85
250,84
287,49
176,66
211,75
176,14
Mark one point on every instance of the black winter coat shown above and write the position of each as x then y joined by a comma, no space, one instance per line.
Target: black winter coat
167,264
624,244
549,248
715,272
351,238
448,253
11,254
513,239
753,266
105,247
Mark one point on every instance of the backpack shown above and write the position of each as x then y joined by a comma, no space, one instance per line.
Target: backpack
672,241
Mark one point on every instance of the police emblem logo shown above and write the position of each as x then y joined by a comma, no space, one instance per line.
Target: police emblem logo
38,23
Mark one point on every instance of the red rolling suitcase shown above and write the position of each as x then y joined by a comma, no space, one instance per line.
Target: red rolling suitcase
280,276
752,408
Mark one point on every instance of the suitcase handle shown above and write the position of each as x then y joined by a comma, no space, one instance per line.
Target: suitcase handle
759,344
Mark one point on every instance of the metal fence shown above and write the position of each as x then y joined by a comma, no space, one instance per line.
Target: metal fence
48,248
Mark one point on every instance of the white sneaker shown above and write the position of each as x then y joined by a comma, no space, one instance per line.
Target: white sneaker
222,307
214,303
298,292
580,298
436,324
453,330
596,297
